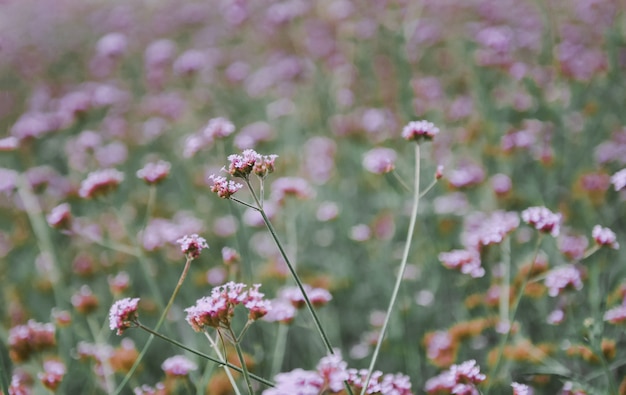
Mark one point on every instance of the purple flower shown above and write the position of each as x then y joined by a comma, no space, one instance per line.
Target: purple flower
192,245
218,128
223,187
52,375
563,277
619,180
100,182
60,216
153,173
178,365
616,315
112,45
123,313
379,160
573,247
466,261
419,130
604,237
542,219
459,379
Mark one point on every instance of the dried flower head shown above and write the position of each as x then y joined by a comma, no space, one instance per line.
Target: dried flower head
192,245
419,130
123,314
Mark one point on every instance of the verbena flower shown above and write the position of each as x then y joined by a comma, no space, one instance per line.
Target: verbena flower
192,245
542,219
619,180
153,173
317,296
52,375
561,278
123,313
459,379
242,165
218,128
604,237
616,315
481,229
24,340
291,186
178,365
282,311
466,261
84,300
223,187
230,256
100,182
60,216
573,247
379,160
218,309
158,389
521,389
419,130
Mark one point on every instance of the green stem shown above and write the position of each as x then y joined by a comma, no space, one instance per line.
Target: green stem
505,248
203,355
405,257
505,337
279,348
224,362
156,328
107,371
242,360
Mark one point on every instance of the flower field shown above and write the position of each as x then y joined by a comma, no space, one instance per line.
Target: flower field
291,197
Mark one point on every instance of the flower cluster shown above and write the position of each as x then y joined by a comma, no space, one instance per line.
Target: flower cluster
459,379
60,216
153,173
123,314
379,160
217,309
53,372
100,182
251,162
466,261
329,377
419,130
604,237
223,187
291,186
178,365
619,180
317,296
542,219
482,229
192,245
563,277
24,340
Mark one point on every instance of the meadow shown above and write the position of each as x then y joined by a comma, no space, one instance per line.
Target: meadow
291,197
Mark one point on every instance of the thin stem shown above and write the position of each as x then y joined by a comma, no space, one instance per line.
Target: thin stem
308,303
224,363
505,248
157,327
400,180
107,371
405,257
203,355
279,348
518,298
242,360
428,188
244,203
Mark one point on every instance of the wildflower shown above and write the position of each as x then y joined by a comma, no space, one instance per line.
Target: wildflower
192,245
327,211
616,315
264,165
10,143
119,283
29,338
53,372
112,45
542,219
217,309
296,382
282,311
190,62
467,175
459,379
619,180
159,53
467,261
100,182
379,160
21,383
333,369
521,389
158,389
60,216
604,237
230,256
561,278
439,172
501,184
419,130
317,296
8,180
223,187
242,165
360,232
556,317
573,247
123,313
482,229
218,128
153,173
291,186
178,365
84,300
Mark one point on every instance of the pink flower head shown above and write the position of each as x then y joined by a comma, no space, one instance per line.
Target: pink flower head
616,315
467,175
334,370
145,389
521,389
242,165
264,165
501,184
317,296
573,247
100,182
31,337
230,256
466,261
223,187
112,45
52,375
123,313
10,143
604,237
459,379
153,173
619,180
379,160
192,245
542,219
178,365
291,186
218,128
419,130
561,278
60,216
282,311
296,382
481,229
